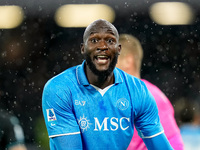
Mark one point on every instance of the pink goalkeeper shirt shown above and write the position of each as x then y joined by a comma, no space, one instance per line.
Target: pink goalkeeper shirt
166,114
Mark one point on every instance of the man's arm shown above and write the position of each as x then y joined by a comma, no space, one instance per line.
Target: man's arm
67,142
148,123
61,123
157,143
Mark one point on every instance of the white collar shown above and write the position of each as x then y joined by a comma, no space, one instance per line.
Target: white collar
102,91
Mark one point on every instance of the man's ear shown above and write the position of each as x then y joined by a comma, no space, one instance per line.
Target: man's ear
82,48
119,49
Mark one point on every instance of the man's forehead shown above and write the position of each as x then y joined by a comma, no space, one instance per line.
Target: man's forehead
100,26
105,29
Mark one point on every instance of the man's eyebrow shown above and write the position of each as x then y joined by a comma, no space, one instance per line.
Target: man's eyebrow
111,32
93,32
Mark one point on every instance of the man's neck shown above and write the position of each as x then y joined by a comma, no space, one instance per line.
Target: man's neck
98,80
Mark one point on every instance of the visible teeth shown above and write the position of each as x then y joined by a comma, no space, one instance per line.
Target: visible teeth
102,57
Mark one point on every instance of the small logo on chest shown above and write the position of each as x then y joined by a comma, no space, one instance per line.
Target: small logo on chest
81,103
83,123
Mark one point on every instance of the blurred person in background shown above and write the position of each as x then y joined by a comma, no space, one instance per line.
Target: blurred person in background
11,133
95,105
130,61
189,115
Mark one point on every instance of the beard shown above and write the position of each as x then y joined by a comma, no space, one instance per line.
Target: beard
101,74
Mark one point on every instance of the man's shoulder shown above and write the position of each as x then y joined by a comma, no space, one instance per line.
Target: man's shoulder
126,75
131,81
68,73
63,78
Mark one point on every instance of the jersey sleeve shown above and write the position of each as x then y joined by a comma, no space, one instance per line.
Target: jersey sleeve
58,110
147,121
158,142
70,142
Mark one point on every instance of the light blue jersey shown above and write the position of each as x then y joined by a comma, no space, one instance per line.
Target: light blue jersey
104,118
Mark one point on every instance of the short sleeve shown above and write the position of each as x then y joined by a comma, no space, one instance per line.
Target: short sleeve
58,110
147,121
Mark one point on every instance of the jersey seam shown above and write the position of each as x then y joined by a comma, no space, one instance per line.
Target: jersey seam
51,136
147,137
77,74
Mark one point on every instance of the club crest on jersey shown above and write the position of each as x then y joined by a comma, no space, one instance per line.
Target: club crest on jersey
51,114
122,104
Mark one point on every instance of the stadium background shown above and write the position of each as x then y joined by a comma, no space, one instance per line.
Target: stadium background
38,49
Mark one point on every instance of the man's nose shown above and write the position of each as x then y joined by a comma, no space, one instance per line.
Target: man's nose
102,46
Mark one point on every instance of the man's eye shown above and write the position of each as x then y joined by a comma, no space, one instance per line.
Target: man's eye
94,40
110,40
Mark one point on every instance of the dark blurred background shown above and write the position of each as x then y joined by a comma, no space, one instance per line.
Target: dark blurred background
39,49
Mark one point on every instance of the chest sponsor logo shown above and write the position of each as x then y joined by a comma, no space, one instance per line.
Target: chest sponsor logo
122,104
108,124
84,123
51,116
81,103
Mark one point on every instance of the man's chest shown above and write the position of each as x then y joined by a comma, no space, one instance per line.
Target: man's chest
109,112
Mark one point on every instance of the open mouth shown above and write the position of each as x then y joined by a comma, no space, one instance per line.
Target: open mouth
102,59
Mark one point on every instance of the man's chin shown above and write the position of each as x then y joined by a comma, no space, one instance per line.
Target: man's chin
101,70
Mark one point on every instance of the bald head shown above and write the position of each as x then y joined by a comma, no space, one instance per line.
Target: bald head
131,45
99,26
130,59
